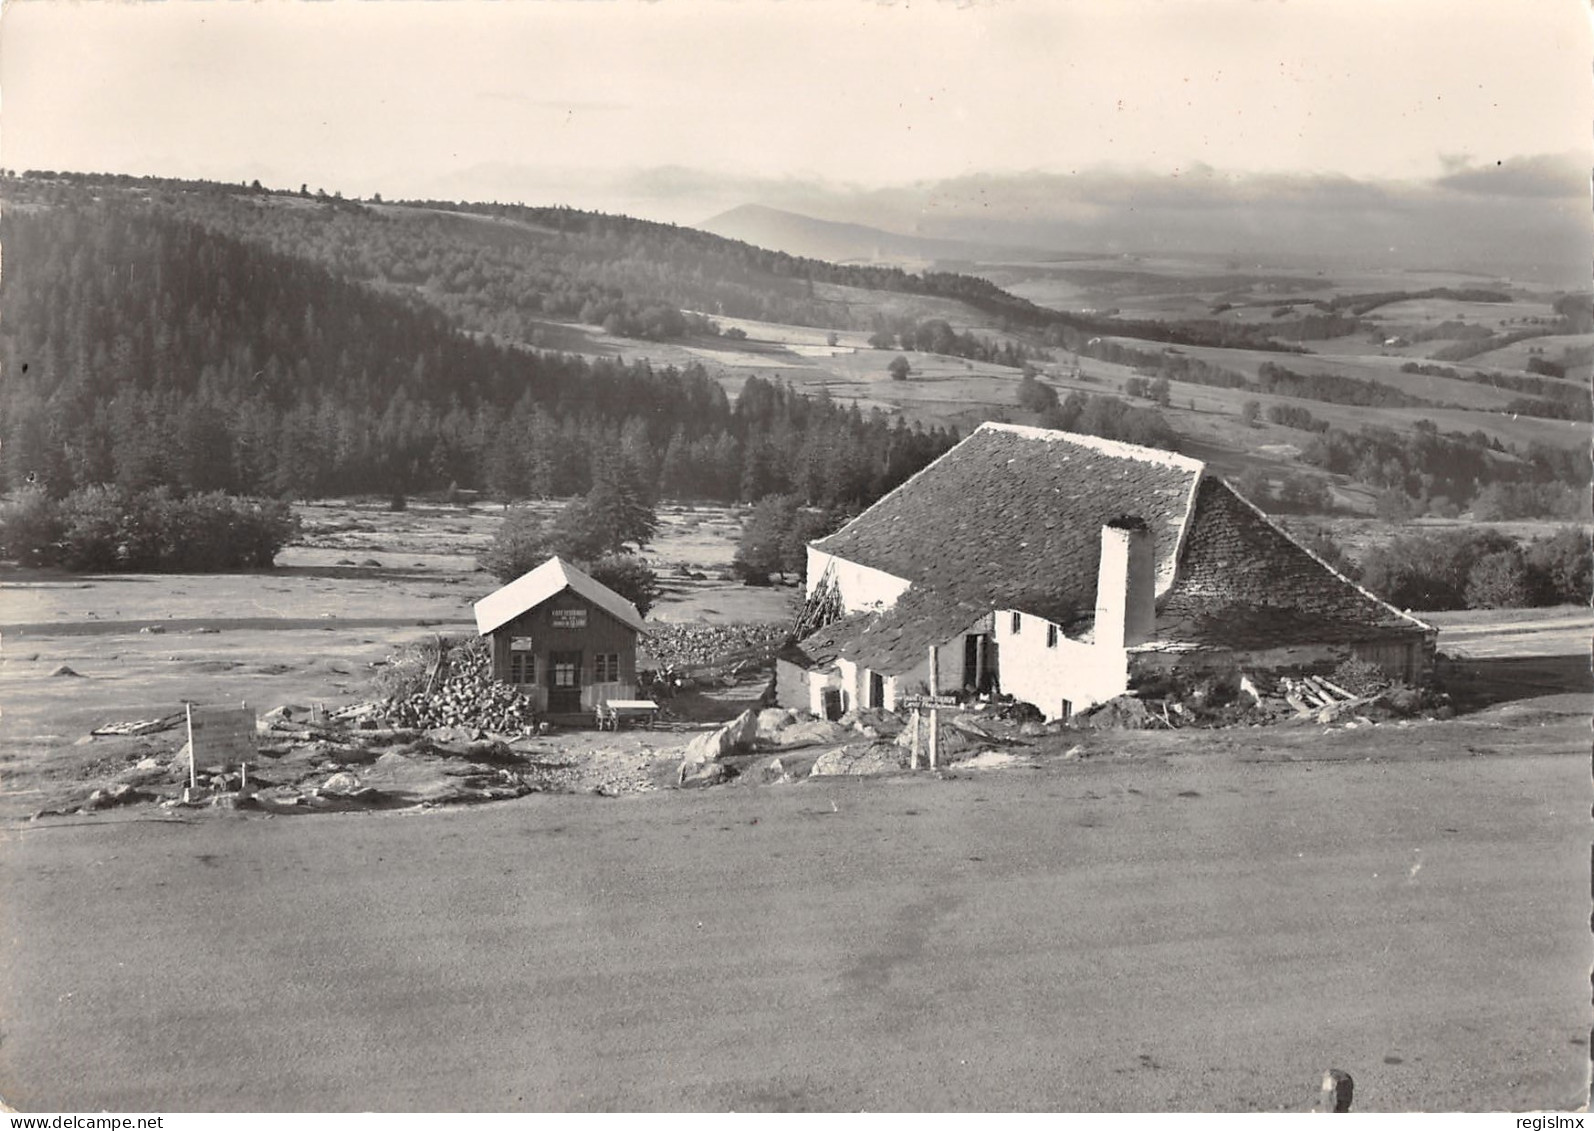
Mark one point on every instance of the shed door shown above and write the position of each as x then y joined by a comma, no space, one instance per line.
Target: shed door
564,683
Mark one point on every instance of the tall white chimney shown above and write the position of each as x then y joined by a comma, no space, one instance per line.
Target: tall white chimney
1126,587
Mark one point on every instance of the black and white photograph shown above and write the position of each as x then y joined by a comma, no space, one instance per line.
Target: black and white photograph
795,556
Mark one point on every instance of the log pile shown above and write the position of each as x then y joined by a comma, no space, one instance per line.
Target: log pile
1315,696
689,648
462,692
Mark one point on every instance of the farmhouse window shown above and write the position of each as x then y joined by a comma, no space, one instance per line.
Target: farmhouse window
570,618
566,673
1018,622
1051,636
606,667
522,667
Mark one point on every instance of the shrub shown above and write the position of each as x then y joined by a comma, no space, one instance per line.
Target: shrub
1498,581
1429,571
108,528
629,576
520,544
30,527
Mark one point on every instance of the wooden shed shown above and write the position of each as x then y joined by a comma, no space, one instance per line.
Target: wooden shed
564,640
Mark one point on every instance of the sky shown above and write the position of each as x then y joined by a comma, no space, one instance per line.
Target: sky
882,112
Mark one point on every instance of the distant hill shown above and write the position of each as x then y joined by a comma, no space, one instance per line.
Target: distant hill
796,234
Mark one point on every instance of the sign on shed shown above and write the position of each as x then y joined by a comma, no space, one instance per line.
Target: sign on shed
221,737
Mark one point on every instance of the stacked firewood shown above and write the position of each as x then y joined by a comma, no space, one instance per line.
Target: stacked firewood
461,691
684,647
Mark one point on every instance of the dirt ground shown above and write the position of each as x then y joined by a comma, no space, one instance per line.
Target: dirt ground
1137,930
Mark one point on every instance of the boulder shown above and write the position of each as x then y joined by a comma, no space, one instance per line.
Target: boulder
735,737
872,722
953,740
65,670
695,774
343,782
773,720
1126,712
809,732
859,759
120,794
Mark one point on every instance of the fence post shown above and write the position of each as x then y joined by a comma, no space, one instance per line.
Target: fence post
1337,1090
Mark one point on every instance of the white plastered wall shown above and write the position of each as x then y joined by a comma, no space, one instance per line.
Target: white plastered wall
1083,674
861,587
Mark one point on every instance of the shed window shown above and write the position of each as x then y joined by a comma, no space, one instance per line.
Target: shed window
606,667
1018,622
1051,636
522,667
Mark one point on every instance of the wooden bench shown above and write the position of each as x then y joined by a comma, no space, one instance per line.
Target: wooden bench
613,712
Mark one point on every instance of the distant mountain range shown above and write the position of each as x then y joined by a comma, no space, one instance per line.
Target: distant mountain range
796,234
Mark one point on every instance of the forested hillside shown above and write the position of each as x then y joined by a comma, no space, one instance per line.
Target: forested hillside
140,349
500,268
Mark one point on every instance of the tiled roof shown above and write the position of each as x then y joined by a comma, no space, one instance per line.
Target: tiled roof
554,576
893,640
1244,583
1011,518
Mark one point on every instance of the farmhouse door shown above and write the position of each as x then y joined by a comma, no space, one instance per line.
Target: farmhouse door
564,683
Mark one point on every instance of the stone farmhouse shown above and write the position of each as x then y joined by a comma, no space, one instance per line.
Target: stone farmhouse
1061,569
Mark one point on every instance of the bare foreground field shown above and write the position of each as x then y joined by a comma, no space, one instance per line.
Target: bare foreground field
1182,921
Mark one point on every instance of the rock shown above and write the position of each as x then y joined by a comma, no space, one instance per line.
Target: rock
452,734
345,783
809,732
148,764
773,720
120,794
859,759
66,671
973,727
1122,713
774,773
205,630
153,629
872,722
953,740
693,774
1032,729
735,737
1400,701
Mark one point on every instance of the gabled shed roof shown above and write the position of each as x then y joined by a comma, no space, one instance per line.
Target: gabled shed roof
548,580
1011,518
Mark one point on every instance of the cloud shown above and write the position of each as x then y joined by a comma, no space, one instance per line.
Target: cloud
1541,175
